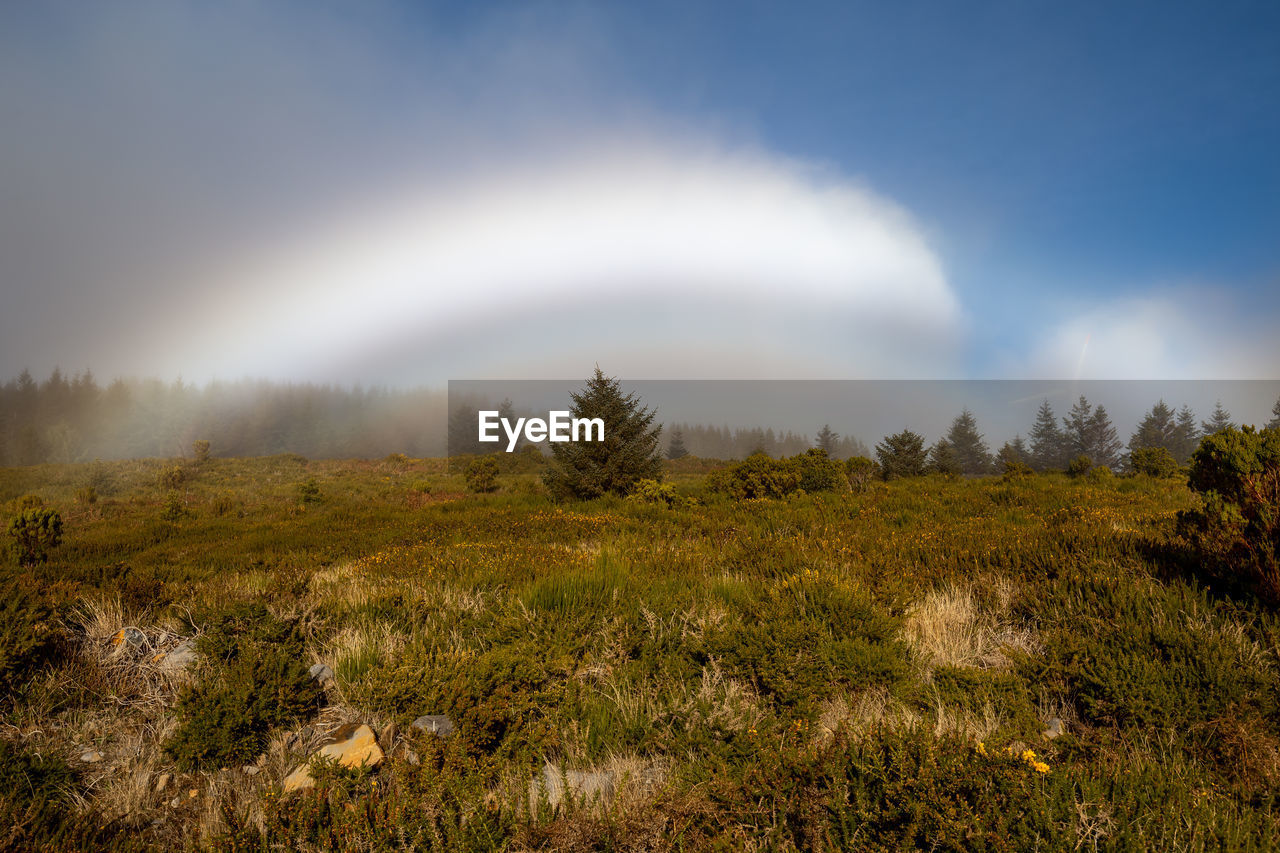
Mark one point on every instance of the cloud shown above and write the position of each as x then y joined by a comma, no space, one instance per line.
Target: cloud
1169,333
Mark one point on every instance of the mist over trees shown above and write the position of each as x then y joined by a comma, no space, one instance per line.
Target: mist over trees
66,420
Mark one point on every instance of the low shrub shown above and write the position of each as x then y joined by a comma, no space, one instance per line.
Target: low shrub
860,471
34,533
1153,461
1236,473
256,681
481,475
1079,466
653,492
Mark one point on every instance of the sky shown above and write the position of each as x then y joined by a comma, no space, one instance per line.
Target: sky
407,193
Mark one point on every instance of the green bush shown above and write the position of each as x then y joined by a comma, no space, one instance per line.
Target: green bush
29,630
35,532
1079,466
860,471
256,682
1236,472
481,475
201,450
757,476
309,491
172,477
653,492
1153,461
818,472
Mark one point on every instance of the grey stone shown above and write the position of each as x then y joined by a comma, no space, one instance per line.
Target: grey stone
321,672
438,724
1056,728
91,756
129,638
178,659
250,770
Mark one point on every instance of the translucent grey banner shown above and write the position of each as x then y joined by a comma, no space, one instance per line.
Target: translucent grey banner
734,417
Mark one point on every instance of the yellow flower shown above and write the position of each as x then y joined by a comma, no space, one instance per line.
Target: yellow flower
1040,766
982,749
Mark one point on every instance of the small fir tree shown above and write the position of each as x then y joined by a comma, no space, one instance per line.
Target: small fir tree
901,455
627,454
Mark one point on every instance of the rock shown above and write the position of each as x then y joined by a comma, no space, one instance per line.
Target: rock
175,802
91,756
1056,728
352,746
435,723
250,770
178,659
321,672
585,785
412,758
162,782
129,638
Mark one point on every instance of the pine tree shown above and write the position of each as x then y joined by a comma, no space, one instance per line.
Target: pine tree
627,455
968,448
943,459
826,441
1013,451
1157,429
1186,435
1075,430
1218,421
901,455
676,449
1046,440
1104,443
1275,416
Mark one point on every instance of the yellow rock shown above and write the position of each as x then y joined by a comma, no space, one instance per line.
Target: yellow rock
353,746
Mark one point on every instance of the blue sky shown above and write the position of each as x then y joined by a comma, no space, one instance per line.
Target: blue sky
327,191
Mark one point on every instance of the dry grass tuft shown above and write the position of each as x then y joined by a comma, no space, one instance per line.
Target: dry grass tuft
949,627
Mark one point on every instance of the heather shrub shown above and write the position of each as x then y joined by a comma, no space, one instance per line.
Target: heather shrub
29,630
1236,473
255,682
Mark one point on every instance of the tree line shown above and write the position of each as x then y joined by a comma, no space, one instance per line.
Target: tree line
69,419
1085,435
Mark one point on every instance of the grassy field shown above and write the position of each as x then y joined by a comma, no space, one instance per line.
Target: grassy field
872,671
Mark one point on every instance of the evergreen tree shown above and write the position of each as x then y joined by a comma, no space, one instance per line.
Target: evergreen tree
901,455
943,459
628,453
826,441
1046,440
1218,421
1186,436
1013,451
1104,443
1075,429
676,449
968,448
1158,429
1274,423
